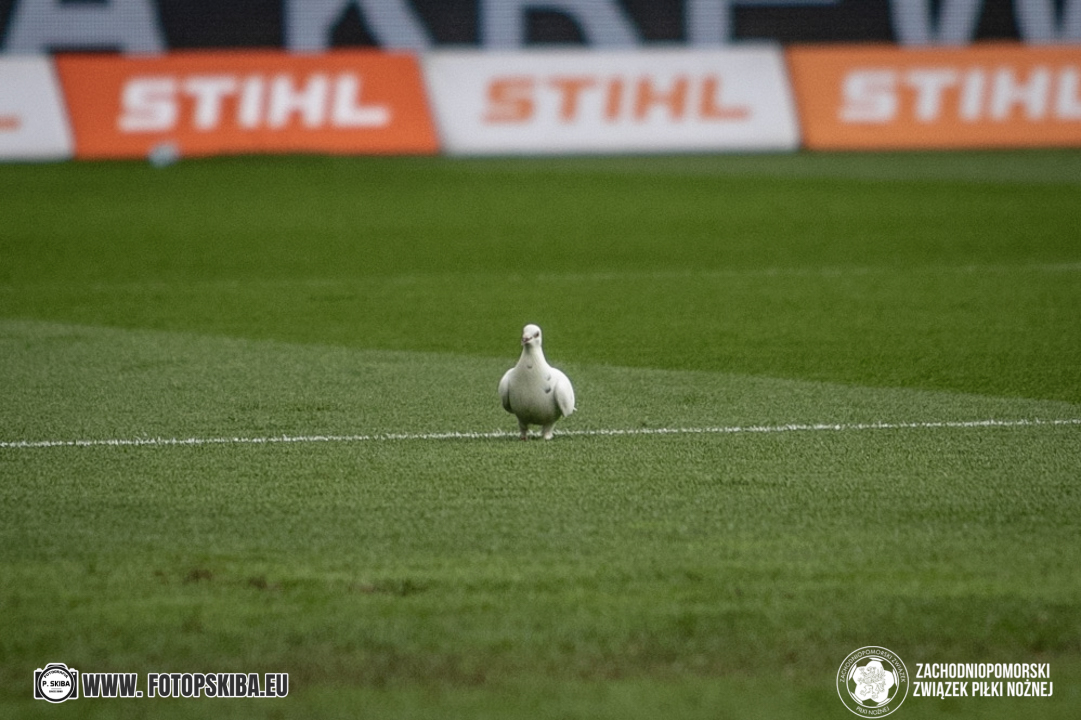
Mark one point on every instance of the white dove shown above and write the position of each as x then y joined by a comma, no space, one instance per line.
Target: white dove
535,391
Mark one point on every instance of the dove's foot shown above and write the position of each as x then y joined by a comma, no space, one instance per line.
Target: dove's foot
547,431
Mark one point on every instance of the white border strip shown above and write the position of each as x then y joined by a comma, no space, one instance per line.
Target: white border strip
721,430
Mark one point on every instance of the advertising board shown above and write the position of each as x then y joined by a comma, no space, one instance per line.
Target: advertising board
255,102
994,95
609,102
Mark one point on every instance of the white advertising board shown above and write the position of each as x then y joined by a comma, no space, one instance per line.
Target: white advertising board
552,102
33,122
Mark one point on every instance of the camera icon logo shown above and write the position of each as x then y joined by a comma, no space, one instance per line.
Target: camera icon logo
56,682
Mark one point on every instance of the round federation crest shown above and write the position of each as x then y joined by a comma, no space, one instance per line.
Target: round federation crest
872,682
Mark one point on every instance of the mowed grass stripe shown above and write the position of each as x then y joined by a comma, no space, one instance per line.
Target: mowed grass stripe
500,435
123,387
379,254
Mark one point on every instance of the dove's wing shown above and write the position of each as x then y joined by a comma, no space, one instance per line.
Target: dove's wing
504,390
564,392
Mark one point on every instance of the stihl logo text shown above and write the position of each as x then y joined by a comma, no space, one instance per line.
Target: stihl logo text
967,94
611,99
208,102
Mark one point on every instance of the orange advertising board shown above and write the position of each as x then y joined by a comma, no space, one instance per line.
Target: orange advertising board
209,103
995,95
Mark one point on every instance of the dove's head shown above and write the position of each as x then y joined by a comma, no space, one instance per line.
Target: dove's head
531,336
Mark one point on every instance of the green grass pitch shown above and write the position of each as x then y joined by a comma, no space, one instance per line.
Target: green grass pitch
887,307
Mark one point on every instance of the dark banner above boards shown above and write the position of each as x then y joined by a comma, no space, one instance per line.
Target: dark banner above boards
156,26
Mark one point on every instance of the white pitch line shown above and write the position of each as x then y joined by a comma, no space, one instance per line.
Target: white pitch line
718,430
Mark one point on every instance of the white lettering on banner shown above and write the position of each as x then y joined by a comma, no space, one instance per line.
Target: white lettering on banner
155,104
209,92
1037,23
869,96
590,101
974,94
309,101
38,26
503,22
708,23
347,112
929,86
1030,94
308,23
1068,99
914,22
149,105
